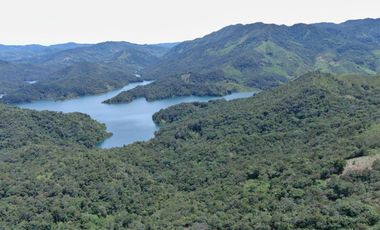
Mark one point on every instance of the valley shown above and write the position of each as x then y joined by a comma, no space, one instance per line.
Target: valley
234,59
127,122
256,126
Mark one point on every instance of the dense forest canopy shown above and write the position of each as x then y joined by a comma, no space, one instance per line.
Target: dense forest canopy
212,84
273,161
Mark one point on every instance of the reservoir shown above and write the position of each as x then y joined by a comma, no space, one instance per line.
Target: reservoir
127,122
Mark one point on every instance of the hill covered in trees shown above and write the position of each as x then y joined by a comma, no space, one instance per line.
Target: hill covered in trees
252,56
265,55
73,81
273,161
21,52
56,71
21,127
212,84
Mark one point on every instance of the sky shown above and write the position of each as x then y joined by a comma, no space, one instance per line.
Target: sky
156,21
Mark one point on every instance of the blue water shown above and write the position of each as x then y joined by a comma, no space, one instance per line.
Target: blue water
128,122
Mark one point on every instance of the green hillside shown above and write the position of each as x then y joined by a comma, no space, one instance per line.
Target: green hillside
99,68
273,161
21,127
13,76
22,52
122,54
266,55
212,84
76,80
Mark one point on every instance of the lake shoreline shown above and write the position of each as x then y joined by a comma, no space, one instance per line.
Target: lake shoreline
129,122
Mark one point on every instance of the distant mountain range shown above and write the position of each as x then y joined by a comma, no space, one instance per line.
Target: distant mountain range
303,155
15,53
242,56
259,53
265,55
56,70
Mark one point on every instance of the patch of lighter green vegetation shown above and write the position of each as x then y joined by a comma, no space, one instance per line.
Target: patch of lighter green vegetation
370,138
355,80
231,86
365,69
231,71
275,69
255,186
325,62
279,60
230,46
376,53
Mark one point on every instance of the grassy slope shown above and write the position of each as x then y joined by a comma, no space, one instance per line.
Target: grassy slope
266,52
266,55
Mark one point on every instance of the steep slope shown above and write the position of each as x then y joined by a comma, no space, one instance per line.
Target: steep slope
98,68
13,76
21,127
265,55
273,161
76,80
259,52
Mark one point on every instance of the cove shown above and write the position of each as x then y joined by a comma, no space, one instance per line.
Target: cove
127,122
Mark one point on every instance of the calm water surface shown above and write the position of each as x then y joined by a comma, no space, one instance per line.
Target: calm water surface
128,122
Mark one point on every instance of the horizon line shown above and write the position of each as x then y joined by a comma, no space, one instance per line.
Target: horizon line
171,42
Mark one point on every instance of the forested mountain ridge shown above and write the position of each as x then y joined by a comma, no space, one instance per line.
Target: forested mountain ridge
123,53
252,56
273,161
100,67
14,75
264,55
212,84
277,52
76,80
20,52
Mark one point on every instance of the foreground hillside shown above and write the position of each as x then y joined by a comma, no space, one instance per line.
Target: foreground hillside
265,55
273,161
21,127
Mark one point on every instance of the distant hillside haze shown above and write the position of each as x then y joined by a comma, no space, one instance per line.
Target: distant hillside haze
58,69
106,52
15,53
243,57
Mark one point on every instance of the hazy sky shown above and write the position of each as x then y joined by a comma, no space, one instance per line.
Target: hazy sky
154,21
